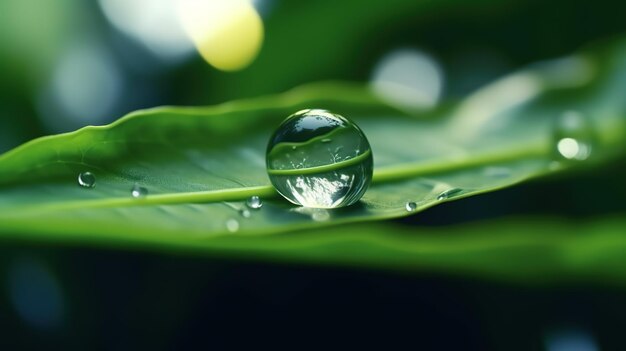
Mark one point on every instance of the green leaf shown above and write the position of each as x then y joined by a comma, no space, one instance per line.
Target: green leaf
200,164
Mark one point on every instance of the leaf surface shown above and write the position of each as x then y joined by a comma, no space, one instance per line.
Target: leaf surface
200,164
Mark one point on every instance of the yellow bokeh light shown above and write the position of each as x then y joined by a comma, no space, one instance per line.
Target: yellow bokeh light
227,33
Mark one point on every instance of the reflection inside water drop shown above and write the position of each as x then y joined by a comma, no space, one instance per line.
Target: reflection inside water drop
87,180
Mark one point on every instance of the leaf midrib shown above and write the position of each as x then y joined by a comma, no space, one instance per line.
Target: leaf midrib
382,175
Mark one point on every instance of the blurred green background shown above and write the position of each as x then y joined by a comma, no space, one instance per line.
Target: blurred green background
65,64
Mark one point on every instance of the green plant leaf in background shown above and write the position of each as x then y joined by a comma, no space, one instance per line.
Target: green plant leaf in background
200,164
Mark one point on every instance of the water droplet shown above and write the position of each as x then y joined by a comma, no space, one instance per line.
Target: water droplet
245,213
327,140
318,177
254,202
232,225
573,136
87,180
138,191
410,206
448,194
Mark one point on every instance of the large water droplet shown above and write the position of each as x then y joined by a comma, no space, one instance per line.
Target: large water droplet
410,206
254,202
449,194
573,136
312,173
138,191
232,225
87,180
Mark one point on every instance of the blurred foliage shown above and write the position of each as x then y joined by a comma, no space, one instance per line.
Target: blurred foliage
475,42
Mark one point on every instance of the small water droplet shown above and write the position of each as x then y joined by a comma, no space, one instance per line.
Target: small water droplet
573,136
410,206
327,140
448,194
245,213
87,180
232,225
254,202
293,148
138,191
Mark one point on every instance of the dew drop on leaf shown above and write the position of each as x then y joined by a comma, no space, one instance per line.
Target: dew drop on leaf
573,136
245,213
449,194
254,202
410,206
311,172
87,180
138,191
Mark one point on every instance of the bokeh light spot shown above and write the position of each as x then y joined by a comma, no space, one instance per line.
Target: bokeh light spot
154,23
409,79
227,34
86,87
570,340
